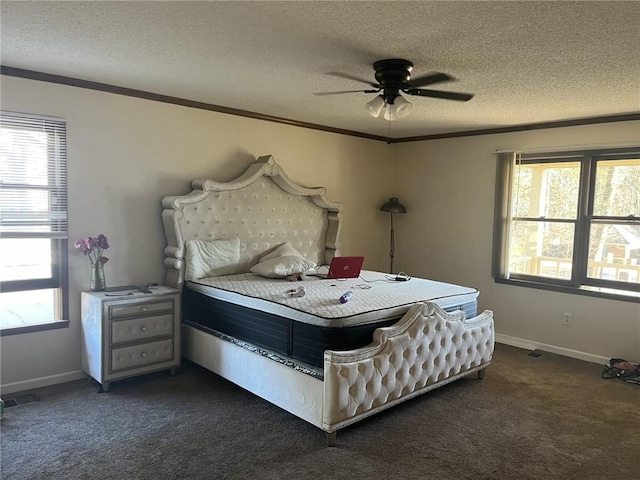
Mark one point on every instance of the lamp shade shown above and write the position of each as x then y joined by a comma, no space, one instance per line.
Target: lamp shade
374,107
400,107
393,206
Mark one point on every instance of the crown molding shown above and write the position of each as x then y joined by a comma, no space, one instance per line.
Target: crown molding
156,97
624,117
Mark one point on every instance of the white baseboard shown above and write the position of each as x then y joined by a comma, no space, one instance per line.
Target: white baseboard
33,383
567,352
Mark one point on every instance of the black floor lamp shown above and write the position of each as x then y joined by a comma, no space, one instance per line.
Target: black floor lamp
391,207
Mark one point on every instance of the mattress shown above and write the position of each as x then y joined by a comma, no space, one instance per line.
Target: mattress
253,309
374,297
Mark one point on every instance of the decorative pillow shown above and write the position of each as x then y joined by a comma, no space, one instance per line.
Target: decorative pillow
211,258
282,266
282,250
285,260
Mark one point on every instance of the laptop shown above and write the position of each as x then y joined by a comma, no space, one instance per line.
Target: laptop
344,267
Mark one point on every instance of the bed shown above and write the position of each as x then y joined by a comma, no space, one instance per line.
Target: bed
232,248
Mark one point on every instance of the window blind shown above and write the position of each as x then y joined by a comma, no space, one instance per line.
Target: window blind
33,176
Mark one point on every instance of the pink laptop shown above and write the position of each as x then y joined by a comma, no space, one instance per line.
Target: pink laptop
345,267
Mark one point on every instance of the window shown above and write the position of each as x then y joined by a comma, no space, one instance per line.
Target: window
569,221
33,223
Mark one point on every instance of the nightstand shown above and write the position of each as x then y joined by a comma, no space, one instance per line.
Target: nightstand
130,334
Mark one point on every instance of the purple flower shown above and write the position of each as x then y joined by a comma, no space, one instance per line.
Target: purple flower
79,244
102,242
93,248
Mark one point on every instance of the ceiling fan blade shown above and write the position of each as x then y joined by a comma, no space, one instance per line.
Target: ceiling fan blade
346,91
434,77
351,77
461,97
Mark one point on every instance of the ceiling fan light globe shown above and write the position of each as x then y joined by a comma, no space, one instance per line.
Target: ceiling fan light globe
398,109
375,106
390,113
402,106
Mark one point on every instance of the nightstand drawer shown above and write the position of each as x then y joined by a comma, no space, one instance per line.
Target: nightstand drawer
141,328
125,358
142,308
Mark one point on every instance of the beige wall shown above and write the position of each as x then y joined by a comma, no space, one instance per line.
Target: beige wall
448,187
125,154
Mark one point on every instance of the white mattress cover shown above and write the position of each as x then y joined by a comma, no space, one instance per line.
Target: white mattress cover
374,297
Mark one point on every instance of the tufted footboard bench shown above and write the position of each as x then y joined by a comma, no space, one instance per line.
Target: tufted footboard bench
426,349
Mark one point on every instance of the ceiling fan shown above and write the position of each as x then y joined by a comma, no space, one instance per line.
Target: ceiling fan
394,76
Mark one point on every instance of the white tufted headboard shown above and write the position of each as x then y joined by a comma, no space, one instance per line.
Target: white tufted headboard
263,208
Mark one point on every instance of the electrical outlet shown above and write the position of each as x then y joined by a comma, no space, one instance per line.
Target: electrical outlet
566,320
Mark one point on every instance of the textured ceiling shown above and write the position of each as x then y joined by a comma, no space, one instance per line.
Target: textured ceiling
526,62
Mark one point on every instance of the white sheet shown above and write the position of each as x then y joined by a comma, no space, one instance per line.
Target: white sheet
374,297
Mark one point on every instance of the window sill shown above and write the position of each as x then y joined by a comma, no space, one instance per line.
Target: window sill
33,328
622,295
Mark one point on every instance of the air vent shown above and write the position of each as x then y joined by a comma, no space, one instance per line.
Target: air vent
21,400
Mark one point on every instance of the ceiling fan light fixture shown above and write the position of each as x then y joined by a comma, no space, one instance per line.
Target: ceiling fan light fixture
393,76
375,106
400,108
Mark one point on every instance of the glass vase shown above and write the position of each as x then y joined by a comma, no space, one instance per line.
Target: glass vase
97,282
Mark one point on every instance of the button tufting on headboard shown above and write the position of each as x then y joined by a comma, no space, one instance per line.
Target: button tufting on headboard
262,203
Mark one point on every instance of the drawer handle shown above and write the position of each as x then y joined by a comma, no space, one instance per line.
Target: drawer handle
143,328
143,354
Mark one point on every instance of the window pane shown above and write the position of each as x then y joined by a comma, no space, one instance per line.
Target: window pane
25,210
25,259
18,309
32,176
614,252
542,249
33,219
547,190
617,190
24,156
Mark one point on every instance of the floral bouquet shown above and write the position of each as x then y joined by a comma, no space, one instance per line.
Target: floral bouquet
93,248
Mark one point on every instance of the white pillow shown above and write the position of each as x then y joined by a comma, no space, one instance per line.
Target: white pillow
211,258
282,266
282,250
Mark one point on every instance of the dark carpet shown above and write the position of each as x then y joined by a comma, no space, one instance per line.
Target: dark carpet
548,417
